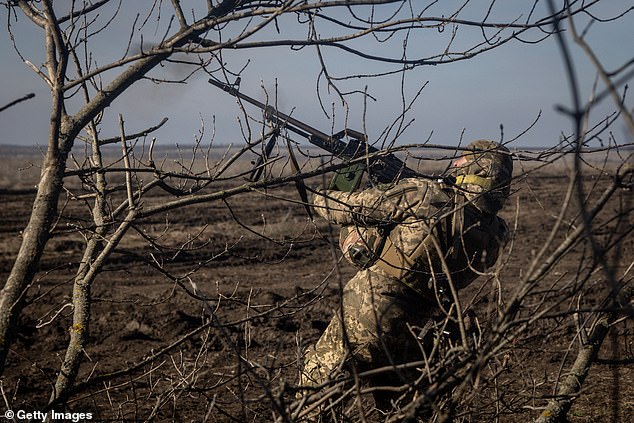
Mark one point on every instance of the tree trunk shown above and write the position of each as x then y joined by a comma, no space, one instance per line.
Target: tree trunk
558,408
34,238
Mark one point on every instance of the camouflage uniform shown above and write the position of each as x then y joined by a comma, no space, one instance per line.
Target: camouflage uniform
411,241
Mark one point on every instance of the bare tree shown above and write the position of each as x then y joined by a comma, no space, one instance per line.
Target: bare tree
109,196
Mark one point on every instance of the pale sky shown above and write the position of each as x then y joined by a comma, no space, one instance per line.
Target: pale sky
508,86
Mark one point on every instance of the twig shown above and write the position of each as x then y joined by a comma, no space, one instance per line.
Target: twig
19,100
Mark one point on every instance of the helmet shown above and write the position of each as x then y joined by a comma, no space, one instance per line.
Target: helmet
484,174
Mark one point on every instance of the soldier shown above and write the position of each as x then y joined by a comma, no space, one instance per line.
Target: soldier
415,243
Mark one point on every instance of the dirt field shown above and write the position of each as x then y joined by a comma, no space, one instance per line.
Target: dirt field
267,274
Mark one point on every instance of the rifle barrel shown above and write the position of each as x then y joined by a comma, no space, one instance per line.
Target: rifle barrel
313,135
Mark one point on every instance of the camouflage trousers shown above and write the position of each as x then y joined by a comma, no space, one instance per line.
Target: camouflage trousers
376,327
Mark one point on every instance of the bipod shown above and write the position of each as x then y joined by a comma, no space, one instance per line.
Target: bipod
260,163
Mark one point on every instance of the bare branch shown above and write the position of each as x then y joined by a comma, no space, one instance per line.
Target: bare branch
19,100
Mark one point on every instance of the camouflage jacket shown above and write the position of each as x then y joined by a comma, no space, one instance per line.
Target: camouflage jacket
422,232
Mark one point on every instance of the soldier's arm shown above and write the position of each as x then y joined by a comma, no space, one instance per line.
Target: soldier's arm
373,206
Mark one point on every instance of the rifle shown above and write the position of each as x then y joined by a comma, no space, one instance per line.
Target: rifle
381,168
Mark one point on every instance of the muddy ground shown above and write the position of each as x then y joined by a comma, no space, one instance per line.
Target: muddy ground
266,274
